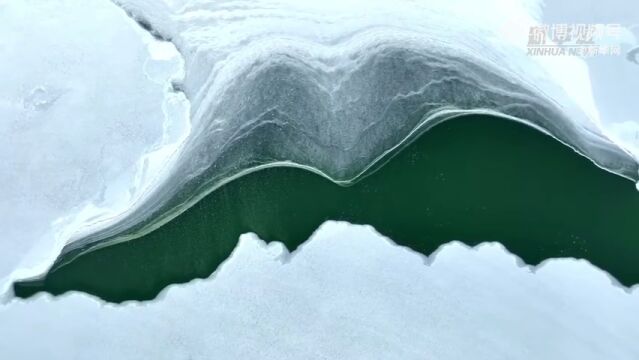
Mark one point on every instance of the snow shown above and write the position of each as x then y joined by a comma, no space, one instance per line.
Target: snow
85,101
108,130
347,293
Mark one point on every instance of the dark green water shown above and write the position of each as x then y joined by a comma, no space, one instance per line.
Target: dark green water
472,179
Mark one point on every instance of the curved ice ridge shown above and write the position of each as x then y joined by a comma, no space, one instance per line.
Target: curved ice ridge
319,86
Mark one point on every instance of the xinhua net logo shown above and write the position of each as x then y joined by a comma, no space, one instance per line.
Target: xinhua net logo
574,40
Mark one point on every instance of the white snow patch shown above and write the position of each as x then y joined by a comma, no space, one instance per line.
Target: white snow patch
85,103
347,293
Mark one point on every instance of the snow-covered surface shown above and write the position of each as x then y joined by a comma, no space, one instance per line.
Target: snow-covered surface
347,293
87,116
106,131
614,80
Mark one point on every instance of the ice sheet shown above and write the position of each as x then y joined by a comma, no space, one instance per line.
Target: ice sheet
332,86
347,293
87,115
100,144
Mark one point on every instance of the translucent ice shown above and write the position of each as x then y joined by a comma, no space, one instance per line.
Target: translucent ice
332,86
101,139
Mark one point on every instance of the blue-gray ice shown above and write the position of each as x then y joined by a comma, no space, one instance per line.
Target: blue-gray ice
139,108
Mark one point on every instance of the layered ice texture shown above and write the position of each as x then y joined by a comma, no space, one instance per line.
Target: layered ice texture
334,86
347,293
117,116
121,115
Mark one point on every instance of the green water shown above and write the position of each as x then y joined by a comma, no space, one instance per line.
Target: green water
472,179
